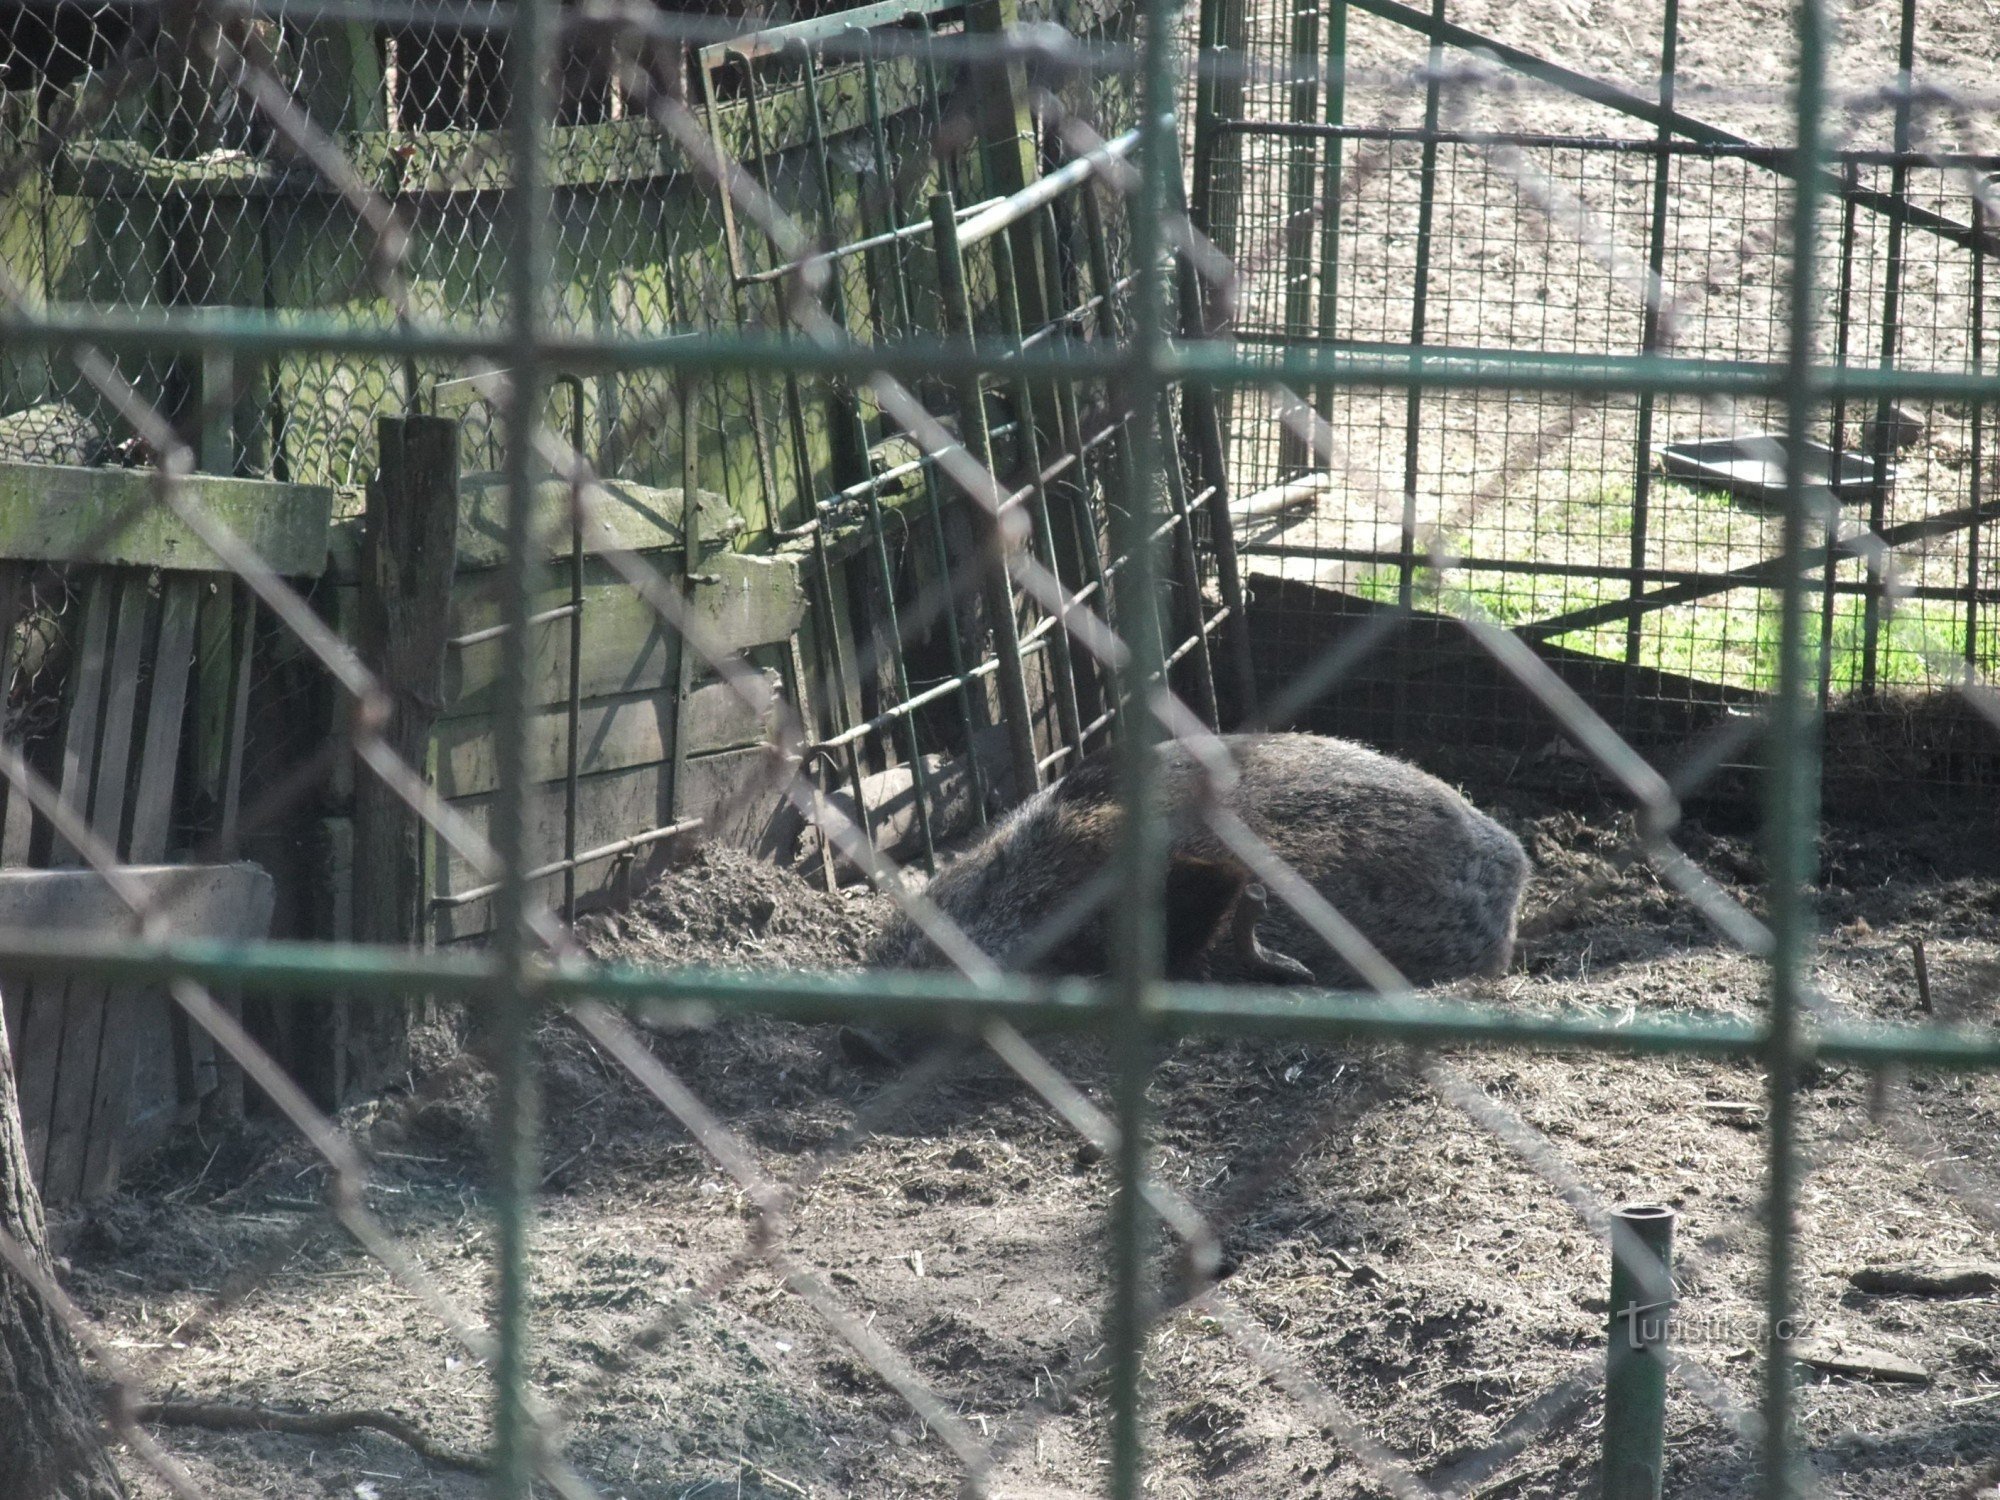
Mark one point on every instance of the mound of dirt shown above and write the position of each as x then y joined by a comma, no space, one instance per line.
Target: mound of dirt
724,910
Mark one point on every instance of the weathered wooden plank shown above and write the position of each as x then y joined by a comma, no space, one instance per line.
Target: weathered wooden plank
737,790
85,1056
610,806
173,661
226,901
37,1055
634,729
740,795
628,517
20,817
57,513
739,602
86,701
128,1011
109,785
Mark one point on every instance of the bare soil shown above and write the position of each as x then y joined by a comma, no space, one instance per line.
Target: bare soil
1411,1263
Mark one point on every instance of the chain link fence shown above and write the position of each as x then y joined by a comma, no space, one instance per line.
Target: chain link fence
441,204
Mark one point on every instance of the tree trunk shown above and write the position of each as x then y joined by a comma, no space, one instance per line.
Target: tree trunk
51,1437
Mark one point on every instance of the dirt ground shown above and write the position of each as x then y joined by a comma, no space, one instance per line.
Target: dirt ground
1407,1261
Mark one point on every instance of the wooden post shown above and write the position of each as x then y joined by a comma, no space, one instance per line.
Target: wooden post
409,554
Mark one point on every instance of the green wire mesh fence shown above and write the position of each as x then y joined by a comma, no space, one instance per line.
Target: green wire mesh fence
924,296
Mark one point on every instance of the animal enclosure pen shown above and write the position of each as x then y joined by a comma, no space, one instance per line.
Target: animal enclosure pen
1537,209
871,392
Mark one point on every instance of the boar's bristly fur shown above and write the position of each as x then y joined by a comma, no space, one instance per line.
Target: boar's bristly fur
1433,883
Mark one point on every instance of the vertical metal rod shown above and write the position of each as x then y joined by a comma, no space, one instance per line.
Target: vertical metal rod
1649,336
760,430
685,662
530,62
1215,203
1837,437
1792,779
1141,852
1124,478
847,436
1187,573
573,729
1330,192
933,494
1635,1359
1027,415
1406,555
1978,433
979,439
1884,446
1204,423
826,632
1083,520
802,466
1301,212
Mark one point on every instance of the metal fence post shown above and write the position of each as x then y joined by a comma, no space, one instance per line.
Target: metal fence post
1635,1366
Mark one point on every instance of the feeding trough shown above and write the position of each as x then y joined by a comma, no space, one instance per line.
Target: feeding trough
1753,466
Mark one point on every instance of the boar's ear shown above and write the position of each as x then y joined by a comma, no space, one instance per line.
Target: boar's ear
1200,893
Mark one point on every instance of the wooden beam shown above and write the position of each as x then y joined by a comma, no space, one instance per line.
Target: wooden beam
56,513
409,552
629,517
739,602
633,729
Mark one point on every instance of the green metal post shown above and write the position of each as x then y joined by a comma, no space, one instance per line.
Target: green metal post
1329,208
1792,780
531,64
933,493
1026,414
1649,336
1635,1365
978,439
1301,212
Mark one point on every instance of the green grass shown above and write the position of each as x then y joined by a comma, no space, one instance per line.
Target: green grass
1730,638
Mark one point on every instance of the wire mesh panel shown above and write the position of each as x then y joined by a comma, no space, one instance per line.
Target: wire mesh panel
849,438
1588,521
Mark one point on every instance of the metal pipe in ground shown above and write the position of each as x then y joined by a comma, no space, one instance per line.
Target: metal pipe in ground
1635,1366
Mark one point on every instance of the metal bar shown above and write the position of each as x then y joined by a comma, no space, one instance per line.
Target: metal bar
571,861
1752,575
1202,413
808,263
1435,367
1791,779
572,740
1649,337
1884,446
913,746
1294,453
1972,558
826,634
773,40
927,466
494,632
530,62
1187,573
1045,190
1043,539
1635,1365
999,595
1837,434
1330,191
286,970
1406,557
1140,851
